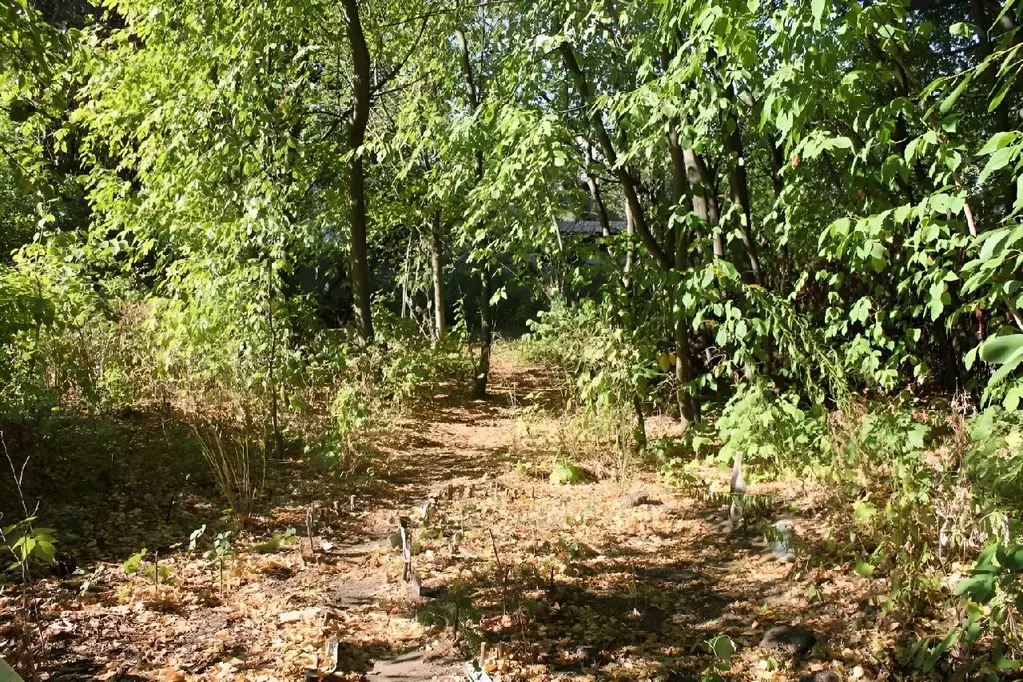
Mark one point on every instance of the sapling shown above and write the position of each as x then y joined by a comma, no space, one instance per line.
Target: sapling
90,581
25,542
221,550
722,648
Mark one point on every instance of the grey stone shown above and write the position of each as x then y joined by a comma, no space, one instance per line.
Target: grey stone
788,640
821,676
781,542
635,499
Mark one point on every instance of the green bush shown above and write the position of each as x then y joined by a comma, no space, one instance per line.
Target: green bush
603,366
406,365
565,473
774,434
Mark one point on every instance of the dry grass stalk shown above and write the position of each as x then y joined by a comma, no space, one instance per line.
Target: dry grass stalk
234,466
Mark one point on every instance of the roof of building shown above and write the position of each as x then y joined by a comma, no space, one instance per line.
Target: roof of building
567,227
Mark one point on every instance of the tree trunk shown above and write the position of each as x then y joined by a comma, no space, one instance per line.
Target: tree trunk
980,16
683,370
437,267
639,430
702,193
479,387
405,302
623,174
777,163
271,369
704,201
356,172
630,251
598,203
738,182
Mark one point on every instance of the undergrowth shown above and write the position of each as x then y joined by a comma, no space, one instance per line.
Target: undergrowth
923,495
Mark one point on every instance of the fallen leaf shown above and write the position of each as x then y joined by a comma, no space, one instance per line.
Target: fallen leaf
170,675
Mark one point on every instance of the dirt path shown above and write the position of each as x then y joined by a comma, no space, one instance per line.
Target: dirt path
608,579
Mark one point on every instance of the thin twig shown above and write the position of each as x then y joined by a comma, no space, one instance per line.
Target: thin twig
408,55
18,476
500,567
497,557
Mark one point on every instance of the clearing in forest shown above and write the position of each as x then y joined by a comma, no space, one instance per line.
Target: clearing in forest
611,576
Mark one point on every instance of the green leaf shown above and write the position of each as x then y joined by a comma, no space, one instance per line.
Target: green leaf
722,646
7,673
971,357
840,142
1003,663
44,549
864,511
1006,369
864,569
1013,397
940,650
1011,557
132,563
498,296
961,28
979,587
817,7
1001,349
565,473
996,142
999,160
953,96
992,242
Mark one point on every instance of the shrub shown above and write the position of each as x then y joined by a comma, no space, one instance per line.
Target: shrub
603,367
565,473
407,365
774,434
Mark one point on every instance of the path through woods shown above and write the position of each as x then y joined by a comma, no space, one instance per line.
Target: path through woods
607,579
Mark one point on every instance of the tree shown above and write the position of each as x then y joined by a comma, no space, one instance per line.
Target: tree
356,173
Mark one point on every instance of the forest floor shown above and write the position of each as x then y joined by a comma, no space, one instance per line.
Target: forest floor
619,577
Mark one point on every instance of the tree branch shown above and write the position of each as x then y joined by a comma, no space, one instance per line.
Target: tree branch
622,173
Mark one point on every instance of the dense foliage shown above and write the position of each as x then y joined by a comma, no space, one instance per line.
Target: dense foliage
275,218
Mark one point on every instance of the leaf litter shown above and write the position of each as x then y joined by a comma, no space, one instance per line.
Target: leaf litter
577,578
